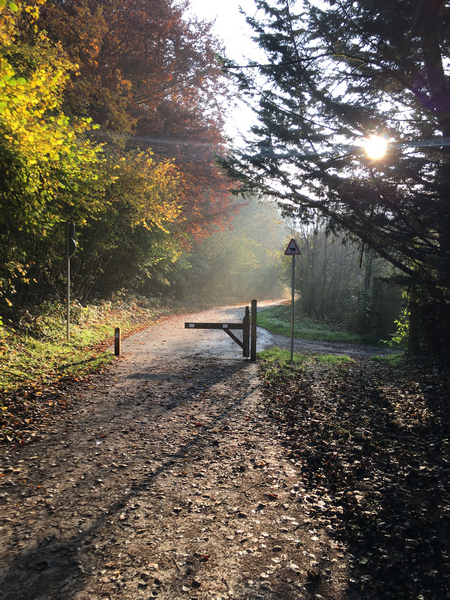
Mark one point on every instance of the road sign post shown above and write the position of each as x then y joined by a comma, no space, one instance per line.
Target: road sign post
71,246
292,250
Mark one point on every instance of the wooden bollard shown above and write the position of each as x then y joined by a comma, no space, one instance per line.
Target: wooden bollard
117,348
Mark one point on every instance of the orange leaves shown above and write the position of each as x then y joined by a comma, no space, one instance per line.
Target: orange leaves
155,74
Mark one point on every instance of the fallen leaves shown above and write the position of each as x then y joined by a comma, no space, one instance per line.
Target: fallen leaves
372,444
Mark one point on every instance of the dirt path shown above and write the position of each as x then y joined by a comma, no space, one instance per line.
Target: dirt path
164,478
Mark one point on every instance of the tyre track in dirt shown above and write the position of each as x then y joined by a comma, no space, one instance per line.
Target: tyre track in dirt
165,479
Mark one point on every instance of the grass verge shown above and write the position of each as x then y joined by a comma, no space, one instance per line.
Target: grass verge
36,352
37,362
278,320
276,363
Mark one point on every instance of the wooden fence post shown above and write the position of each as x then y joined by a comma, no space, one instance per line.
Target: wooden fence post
245,333
117,342
253,336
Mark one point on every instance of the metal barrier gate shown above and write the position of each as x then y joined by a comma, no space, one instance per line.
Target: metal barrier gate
248,349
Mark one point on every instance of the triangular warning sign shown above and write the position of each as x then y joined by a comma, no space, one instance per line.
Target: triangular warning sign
292,248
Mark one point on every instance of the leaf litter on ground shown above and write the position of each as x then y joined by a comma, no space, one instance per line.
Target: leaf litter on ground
38,365
372,441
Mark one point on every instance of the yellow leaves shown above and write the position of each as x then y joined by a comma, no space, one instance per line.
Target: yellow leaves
13,7
52,157
151,189
25,109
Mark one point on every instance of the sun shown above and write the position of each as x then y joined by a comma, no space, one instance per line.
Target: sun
375,146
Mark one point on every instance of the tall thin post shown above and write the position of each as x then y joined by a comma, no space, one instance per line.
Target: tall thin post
292,250
253,332
292,311
71,246
68,297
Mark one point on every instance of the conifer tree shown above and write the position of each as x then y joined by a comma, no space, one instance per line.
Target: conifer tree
336,73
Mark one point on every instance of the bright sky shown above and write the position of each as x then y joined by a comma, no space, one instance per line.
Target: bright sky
230,26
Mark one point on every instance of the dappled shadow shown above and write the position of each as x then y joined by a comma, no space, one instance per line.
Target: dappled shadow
52,566
373,447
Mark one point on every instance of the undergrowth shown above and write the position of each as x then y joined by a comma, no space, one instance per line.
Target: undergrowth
35,350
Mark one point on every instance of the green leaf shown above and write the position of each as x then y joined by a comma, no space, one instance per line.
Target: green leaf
2,3
13,7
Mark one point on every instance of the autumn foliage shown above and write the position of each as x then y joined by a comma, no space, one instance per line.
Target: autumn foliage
110,116
147,70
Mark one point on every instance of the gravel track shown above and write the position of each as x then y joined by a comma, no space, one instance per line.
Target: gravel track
165,478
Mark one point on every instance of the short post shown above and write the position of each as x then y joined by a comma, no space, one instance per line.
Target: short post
117,348
245,333
253,332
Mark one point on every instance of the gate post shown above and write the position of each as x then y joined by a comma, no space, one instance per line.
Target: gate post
253,337
245,333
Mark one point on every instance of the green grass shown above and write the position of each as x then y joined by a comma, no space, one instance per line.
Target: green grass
333,359
35,353
278,320
282,357
38,362
391,360
277,364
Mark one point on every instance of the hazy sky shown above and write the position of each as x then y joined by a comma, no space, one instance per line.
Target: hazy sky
231,28
229,25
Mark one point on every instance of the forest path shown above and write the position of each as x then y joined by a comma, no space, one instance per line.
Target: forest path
170,339
165,478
